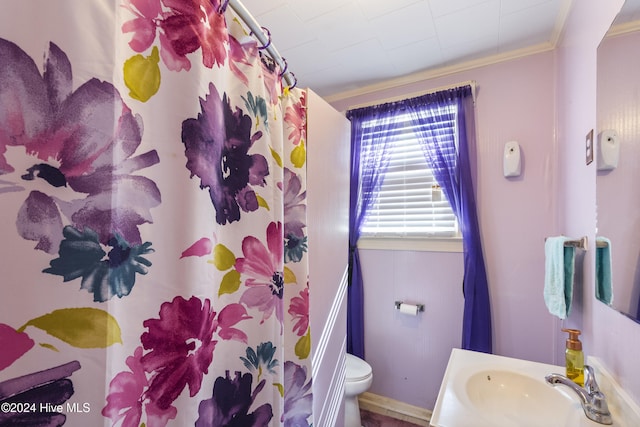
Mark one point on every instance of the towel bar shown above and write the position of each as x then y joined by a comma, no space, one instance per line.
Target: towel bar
582,243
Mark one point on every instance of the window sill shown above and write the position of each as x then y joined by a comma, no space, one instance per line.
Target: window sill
412,244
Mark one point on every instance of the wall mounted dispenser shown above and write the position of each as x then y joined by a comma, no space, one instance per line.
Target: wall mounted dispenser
511,162
608,150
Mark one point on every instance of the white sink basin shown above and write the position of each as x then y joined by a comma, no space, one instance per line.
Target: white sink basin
510,394
494,391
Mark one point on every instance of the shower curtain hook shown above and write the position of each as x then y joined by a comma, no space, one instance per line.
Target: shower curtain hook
295,80
286,65
223,7
266,30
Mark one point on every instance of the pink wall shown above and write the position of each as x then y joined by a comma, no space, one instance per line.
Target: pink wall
515,101
409,354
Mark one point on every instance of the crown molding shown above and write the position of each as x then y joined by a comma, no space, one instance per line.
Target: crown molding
621,29
441,72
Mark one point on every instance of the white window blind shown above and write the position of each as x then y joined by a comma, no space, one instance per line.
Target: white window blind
406,206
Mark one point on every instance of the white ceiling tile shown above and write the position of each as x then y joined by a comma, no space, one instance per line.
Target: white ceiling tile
404,26
507,7
326,81
287,30
527,26
469,50
376,8
341,27
308,57
311,9
630,12
415,57
480,21
445,7
258,7
366,54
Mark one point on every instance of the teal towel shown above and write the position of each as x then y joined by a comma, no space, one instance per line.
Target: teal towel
604,289
559,268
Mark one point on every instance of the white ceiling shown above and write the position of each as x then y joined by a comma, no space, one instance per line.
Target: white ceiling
340,46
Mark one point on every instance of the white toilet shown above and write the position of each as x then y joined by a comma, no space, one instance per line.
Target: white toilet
359,377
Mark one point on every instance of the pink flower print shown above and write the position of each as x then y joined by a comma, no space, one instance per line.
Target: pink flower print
125,400
239,53
196,23
271,76
14,344
299,309
181,345
183,26
143,26
263,268
296,119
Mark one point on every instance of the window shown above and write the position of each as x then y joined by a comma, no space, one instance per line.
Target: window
410,202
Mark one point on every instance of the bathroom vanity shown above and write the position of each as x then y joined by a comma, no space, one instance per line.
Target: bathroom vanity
486,390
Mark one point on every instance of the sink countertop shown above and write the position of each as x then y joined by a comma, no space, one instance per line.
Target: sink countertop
455,407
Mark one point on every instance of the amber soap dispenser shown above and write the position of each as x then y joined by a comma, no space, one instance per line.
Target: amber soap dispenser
574,357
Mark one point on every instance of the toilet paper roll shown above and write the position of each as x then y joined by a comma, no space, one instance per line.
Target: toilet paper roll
409,309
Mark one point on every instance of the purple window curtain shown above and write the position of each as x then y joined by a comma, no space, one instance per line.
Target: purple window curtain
369,161
453,173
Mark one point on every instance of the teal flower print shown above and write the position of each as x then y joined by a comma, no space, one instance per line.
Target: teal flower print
103,274
261,357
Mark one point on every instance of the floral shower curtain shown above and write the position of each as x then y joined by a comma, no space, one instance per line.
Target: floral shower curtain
154,251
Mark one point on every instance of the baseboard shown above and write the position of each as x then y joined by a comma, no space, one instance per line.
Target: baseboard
394,409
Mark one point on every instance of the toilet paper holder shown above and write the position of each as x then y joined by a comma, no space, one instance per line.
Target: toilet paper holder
399,303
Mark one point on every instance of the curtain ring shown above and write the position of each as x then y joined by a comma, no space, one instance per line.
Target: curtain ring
266,30
223,7
286,65
295,81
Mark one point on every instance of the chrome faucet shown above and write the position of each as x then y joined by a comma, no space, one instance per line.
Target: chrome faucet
592,399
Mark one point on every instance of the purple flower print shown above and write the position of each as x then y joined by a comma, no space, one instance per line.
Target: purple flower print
262,268
229,406
50,386
217,147
13,344
72,138
181,345
126,400
295,217
298,399
184,26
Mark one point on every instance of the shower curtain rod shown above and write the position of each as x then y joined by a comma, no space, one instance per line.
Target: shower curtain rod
258,31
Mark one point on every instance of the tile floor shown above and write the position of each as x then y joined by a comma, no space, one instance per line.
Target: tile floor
371,419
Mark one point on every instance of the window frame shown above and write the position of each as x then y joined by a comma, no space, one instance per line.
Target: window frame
415,242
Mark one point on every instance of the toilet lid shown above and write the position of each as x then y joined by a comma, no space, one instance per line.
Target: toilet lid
357,369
